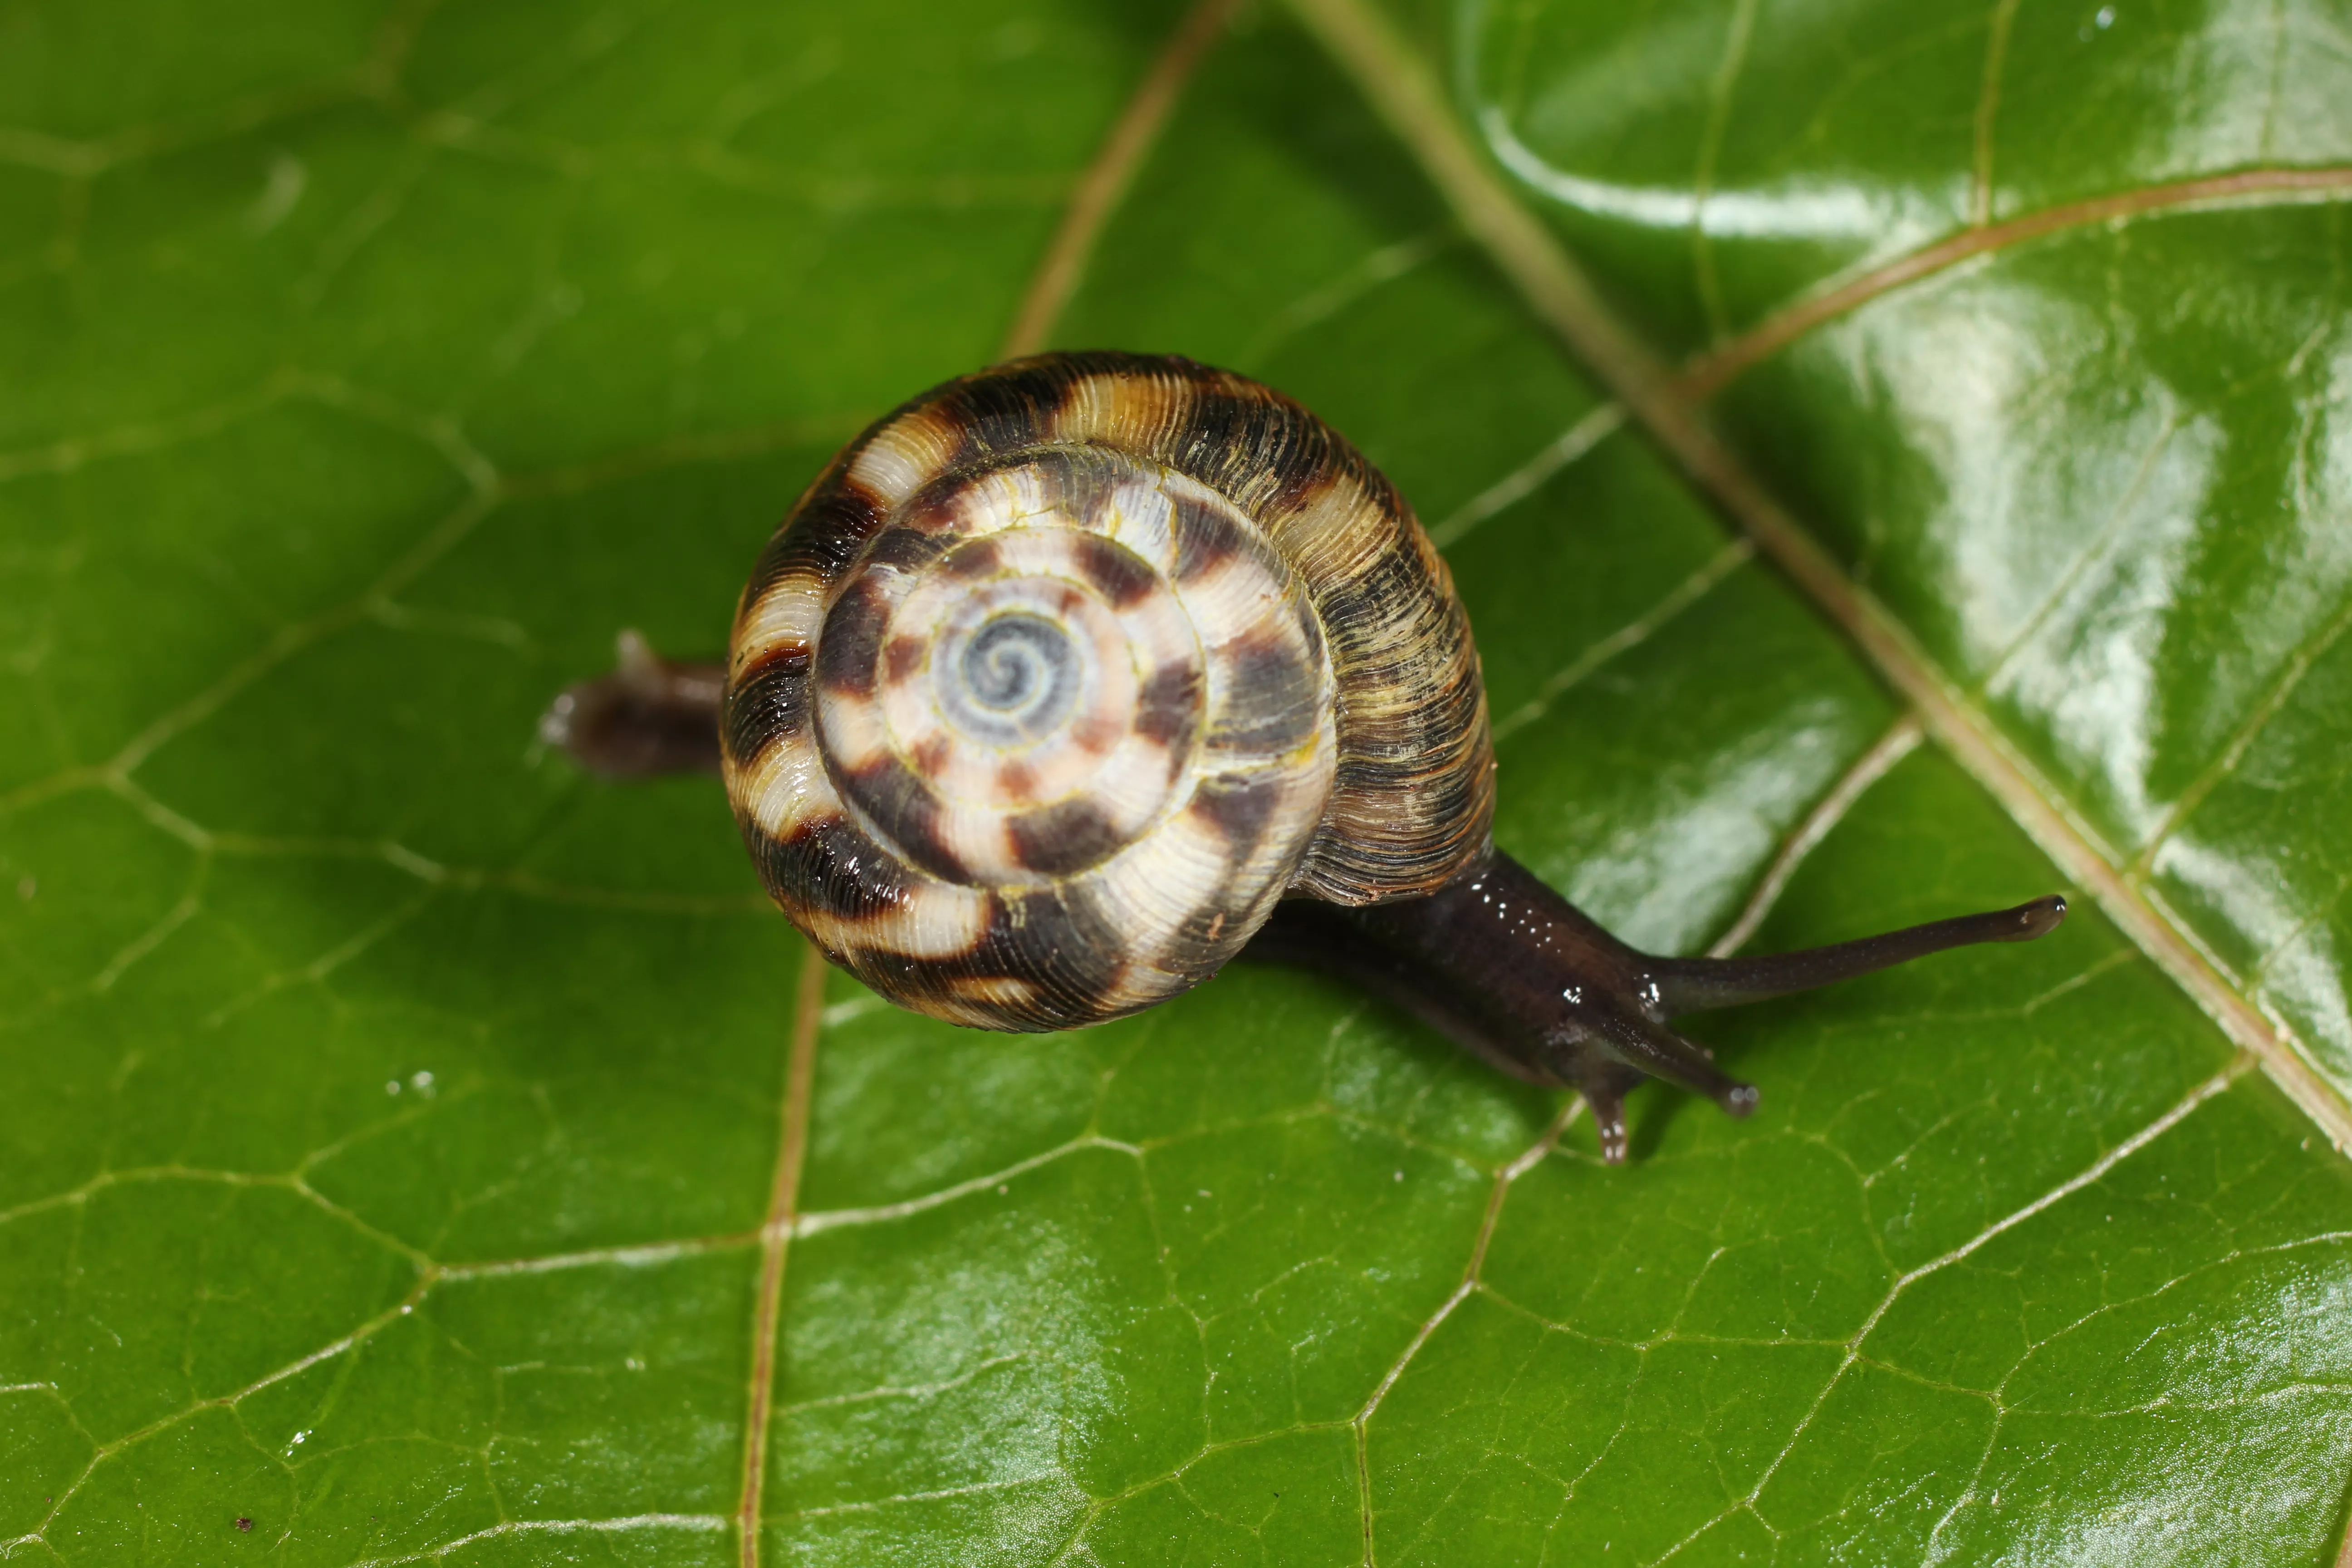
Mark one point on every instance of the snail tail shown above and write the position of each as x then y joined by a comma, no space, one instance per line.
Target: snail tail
650,717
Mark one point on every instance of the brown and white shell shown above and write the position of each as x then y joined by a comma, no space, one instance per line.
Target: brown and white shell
1063,673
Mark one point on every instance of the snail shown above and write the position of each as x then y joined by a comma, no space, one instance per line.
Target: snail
1070,680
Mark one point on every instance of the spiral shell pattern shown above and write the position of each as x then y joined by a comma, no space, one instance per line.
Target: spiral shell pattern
1062,674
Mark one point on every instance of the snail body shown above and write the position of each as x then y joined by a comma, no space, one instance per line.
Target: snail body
1062,675
1071,680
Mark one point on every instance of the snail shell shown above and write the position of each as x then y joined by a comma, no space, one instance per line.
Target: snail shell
1062,674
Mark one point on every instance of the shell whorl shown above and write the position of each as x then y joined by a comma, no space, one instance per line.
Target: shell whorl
1062,674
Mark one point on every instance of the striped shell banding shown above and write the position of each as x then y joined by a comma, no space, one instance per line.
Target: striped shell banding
1063,674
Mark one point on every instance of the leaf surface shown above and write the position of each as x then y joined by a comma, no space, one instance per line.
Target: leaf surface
420,1151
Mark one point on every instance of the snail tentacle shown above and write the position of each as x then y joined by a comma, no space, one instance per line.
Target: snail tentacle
1696,984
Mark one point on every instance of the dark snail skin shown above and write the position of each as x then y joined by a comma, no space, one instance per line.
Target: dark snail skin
1503,965
1071,680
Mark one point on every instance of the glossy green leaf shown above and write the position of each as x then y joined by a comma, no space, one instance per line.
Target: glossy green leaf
398,1120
